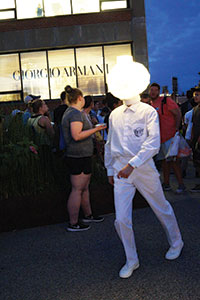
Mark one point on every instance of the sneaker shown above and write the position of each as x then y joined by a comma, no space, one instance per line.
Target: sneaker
166,187
174,253
181,188
91,218
126,271
195,189
77,227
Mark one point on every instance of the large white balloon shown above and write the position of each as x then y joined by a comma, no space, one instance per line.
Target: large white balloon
127,78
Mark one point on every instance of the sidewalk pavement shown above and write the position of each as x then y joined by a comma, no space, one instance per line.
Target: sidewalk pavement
48,263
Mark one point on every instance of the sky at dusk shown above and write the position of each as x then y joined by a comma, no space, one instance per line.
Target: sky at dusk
173,34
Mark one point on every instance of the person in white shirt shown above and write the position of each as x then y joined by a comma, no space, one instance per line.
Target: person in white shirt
133,139
188,123
188,133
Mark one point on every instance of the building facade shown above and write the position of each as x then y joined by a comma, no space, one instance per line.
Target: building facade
47,44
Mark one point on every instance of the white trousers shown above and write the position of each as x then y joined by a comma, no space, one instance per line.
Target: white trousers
146,180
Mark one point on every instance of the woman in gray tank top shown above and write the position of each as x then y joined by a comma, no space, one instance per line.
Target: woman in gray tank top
79,149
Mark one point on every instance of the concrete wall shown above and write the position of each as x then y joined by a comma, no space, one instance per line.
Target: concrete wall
138,28
66,31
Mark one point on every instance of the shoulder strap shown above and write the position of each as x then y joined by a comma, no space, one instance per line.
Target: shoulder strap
164,101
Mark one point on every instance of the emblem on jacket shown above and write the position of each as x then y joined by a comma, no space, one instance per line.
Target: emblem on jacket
138,131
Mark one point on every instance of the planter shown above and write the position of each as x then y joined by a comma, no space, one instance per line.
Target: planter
50,207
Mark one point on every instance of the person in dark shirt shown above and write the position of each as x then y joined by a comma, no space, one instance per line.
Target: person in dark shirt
59,111
112,103
57,117
195,138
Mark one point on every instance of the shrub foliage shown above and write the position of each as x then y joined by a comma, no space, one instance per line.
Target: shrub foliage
25,169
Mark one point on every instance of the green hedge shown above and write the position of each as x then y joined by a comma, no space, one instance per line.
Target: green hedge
27,170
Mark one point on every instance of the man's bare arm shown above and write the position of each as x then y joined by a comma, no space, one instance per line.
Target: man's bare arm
178,117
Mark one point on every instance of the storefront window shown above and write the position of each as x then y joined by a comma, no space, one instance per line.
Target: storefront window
29,9
105,5
90,71
112,52
9,63
57,7
35,74
62,71
85,6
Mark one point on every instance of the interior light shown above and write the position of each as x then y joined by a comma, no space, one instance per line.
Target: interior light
113,5
127,78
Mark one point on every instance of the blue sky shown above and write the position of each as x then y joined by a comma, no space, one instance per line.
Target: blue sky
173,34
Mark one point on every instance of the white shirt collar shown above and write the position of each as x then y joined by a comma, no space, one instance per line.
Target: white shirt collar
133,107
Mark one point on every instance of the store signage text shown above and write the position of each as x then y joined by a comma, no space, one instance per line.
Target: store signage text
57,72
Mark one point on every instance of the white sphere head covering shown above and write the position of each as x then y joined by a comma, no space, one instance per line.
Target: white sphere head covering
127,78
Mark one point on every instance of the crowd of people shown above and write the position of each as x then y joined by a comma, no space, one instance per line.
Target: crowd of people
172,117
176,118
131,138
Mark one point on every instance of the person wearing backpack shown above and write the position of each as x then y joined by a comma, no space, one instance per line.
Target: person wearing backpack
41,124
43,134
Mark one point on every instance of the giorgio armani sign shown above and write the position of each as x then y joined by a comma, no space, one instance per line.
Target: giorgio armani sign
91,70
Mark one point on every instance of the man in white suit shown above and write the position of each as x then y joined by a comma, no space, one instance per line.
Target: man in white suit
133,139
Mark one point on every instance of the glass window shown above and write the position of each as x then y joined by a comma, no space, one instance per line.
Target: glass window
9,14
62,71
90,70
29,9
7,4
9,77
9,73
111,53
10,97
113,4
57,7
34,74
85,6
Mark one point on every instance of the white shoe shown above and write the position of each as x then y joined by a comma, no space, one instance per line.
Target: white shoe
126,271
174,253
